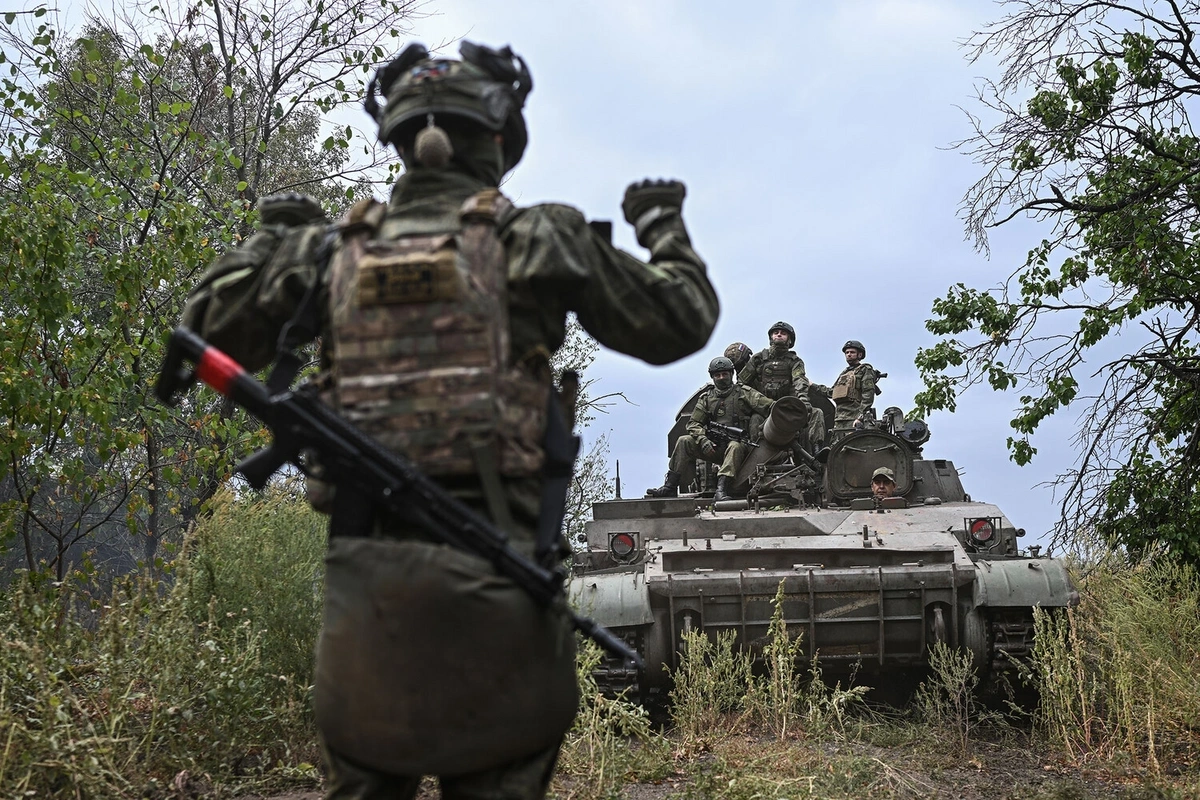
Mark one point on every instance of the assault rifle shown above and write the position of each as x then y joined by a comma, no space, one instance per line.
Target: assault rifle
726,433
300,422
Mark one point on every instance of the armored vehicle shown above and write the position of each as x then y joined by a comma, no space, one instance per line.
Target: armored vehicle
869,583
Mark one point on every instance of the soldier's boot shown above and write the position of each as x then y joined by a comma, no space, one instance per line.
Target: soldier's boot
670,487
722,492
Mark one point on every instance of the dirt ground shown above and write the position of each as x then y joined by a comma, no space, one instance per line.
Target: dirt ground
992,772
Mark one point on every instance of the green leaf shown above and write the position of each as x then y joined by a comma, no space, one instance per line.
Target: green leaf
227,91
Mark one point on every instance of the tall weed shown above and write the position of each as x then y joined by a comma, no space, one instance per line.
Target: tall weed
1121,672
949,699
775,700
611,742
108,695
711,681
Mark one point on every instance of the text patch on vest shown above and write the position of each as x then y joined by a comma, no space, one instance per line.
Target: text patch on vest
422,277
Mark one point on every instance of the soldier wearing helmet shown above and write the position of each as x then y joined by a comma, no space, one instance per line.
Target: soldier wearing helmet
729,404
777,372
738,353
854,390
438,314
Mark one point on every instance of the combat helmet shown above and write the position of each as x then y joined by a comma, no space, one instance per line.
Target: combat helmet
487,87
720,364
783,326
739,353
857,345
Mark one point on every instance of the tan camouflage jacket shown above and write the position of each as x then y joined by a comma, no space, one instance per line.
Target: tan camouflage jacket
853,392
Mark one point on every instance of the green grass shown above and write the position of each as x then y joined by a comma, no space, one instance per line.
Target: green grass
113,691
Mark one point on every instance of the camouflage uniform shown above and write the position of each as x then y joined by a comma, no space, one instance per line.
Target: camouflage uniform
853,393
778,372
735,407
430,662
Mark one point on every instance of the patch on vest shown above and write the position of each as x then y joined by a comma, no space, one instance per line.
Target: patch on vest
389,278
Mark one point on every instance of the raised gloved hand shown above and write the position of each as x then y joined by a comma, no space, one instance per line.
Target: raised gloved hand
643,196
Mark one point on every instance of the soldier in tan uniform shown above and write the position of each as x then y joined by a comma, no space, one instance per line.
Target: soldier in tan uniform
438,314
729,404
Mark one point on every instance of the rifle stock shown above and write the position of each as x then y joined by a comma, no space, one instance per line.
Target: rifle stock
300,421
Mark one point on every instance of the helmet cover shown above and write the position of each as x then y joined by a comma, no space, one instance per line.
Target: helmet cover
486,88
739,353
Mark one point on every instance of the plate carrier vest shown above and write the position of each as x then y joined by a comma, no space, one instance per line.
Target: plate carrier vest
421,349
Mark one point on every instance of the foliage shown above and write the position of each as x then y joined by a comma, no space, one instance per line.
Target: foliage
1094,142
612,741
132,154
1118,674
949,698
590,482
777,700
108,689
711,682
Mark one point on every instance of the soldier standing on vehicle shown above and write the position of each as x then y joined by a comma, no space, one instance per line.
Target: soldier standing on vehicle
854,390
438,314
777,372
726,404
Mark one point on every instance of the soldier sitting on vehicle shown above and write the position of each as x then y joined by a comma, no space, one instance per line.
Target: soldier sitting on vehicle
727,405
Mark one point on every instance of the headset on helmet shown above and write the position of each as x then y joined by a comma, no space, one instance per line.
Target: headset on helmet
857,345
720,364
783,326
488,88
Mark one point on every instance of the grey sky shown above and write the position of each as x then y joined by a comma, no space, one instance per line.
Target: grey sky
815,142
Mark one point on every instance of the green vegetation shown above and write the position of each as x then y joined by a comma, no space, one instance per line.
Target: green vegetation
125,687
1086,133
113,689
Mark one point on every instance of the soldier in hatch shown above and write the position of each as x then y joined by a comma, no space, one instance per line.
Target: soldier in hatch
777,372
883,483
854,390
438,314
727,404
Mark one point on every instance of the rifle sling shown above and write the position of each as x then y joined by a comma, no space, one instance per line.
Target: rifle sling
561,448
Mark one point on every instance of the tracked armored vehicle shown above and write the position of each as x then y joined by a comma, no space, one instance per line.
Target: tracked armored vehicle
870,584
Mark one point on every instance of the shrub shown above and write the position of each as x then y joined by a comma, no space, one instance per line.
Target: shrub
104,695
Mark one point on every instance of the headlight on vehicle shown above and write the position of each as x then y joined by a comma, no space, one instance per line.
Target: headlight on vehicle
982,531
622,546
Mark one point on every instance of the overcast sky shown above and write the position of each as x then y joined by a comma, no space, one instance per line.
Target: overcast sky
815,140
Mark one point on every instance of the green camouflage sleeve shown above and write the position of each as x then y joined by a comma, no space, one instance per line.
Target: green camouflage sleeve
756,402
699,419
658,312
867,386
248,294
800,381
749,374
